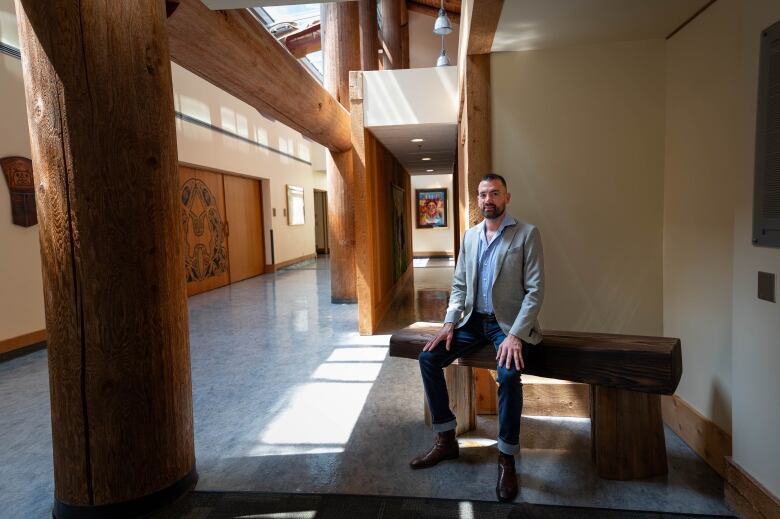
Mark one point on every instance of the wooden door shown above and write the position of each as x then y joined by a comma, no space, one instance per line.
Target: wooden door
203,220
321,221
245,227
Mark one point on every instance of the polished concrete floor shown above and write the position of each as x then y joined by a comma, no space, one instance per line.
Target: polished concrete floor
289,398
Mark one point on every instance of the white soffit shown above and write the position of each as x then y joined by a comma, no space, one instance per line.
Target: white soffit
218,5
410,96
537,24
422,103
438,145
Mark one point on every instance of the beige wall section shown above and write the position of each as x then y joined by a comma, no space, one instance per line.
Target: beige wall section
438,239
21,292
579,166
699,205
756,327
200,146
425,46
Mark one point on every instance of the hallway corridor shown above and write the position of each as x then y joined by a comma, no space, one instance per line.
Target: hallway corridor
289,398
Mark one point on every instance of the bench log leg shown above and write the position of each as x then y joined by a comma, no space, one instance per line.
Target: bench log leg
627,434
485,388
460,386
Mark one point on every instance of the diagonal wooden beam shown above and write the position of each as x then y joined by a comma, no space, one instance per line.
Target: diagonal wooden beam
234,51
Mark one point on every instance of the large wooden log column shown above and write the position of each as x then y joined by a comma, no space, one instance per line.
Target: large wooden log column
369,35
341,49
395,35
100,110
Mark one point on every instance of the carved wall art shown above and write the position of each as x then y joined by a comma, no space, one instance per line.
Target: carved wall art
18,174
204,233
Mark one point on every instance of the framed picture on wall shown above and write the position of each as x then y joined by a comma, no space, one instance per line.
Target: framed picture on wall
431,207
295,214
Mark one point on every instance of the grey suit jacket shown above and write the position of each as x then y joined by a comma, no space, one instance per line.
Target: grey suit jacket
518,283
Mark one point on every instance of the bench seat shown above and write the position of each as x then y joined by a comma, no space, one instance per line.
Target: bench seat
626,373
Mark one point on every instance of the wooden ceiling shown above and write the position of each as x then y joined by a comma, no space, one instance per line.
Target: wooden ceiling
453,6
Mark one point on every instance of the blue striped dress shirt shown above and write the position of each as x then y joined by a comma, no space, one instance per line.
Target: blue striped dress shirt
486,265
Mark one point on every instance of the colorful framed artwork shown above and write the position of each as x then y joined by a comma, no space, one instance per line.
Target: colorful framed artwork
295,213
431,205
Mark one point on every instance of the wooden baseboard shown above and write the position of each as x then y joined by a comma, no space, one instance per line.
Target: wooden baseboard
278,266
746,496
541,396
700,433
22,341
432,254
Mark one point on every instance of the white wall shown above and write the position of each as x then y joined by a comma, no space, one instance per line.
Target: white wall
425,46
410,96
730,337
756,326
579,134
699,206
198,98
21,288
439,239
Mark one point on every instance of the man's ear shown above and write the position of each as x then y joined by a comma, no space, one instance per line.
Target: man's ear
508,197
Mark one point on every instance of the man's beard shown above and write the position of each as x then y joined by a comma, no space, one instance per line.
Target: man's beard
495,212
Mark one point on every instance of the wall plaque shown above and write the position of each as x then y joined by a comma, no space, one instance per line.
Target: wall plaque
18,174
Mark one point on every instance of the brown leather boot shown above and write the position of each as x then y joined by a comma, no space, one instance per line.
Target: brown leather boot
506,488
445,448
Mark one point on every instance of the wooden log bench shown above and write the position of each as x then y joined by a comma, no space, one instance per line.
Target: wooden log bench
626,373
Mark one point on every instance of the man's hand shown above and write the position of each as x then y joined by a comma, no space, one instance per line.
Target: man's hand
510,349
446,332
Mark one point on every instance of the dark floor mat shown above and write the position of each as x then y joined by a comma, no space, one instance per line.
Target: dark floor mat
224,505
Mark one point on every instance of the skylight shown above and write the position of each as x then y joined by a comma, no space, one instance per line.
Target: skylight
283,19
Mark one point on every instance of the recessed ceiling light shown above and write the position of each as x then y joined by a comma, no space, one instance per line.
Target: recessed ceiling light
426,158
429,170
417,140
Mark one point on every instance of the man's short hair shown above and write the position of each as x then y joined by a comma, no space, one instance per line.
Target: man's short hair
494,176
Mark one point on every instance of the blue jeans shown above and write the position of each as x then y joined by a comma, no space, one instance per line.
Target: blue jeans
475,334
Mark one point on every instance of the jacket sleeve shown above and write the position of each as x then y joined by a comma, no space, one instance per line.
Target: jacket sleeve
458,293
533,275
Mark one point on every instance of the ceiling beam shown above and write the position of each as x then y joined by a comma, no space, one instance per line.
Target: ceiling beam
431,11
235,52
484,21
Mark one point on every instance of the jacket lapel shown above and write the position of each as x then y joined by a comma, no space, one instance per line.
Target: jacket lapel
506,240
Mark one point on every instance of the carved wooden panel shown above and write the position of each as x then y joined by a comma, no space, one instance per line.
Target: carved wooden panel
204,230
18,174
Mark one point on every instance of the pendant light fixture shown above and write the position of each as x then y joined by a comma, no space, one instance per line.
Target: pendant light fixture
443,60
442,24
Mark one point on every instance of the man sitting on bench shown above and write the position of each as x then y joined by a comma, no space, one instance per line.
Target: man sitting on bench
498,289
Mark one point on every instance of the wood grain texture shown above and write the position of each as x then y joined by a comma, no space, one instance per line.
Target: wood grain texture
541,396
100,112
392,35
746,496
244,215
433,11
701,434
485,391
365,227
477,152
482,25
369,35
627,434
460,389
632,362
233,51
341,54
22,341
204,237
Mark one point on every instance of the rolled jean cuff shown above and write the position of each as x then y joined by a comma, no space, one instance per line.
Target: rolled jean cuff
446,426
508,448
